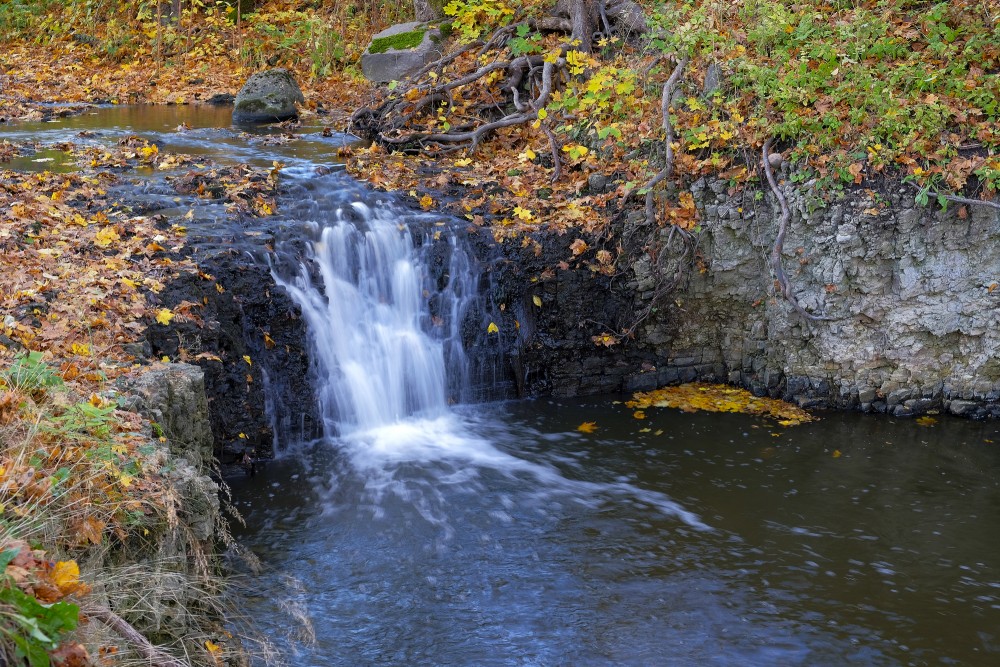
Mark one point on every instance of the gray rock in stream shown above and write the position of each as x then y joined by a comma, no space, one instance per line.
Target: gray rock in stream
268,97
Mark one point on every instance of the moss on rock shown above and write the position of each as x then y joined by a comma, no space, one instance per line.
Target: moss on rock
399,41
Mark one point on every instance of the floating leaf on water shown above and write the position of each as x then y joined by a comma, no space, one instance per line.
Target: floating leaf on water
587,427
492,328
926,421
698,396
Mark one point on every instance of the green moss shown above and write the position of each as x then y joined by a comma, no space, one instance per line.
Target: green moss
400,41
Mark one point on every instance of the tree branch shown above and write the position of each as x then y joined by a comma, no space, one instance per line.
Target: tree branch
957,199
154,654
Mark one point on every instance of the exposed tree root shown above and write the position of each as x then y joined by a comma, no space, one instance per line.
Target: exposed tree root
387,125
779,242
668,141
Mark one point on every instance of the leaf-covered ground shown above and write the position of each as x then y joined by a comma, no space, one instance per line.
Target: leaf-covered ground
79,476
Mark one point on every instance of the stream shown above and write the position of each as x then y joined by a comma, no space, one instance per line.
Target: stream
425,529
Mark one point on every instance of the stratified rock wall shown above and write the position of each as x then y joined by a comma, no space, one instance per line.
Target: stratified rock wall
911,290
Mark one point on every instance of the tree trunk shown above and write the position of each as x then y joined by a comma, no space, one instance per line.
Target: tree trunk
584,17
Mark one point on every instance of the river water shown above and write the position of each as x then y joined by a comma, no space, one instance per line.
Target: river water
421,530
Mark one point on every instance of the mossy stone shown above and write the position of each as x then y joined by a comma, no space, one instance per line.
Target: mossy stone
399,41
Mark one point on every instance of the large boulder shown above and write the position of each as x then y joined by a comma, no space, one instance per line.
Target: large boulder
268,97
172,396
400,51
627,17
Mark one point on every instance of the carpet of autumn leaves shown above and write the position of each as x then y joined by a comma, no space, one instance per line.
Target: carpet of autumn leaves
78,475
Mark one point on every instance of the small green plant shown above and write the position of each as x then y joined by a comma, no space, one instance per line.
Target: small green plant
33,628
30,374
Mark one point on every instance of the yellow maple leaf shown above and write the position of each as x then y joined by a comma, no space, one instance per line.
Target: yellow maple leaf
246,358
587,427
926,421
464,162
164,316
106,236
492,328
66,576
523,213
212,646
426,202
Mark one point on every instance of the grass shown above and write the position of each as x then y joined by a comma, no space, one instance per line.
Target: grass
83,487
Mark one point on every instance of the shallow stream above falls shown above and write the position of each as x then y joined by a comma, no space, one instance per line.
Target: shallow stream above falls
419,532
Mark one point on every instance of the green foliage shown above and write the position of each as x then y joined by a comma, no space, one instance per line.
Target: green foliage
856,87
34,628
474,17
30,374
525,41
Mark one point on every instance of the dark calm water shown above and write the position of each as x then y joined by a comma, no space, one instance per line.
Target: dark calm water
458,552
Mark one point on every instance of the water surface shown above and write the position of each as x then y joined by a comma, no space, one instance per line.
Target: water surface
508,538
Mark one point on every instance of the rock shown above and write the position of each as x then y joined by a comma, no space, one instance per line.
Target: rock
172,396
82,38
400,51
775,160
627,18
597,183
267,97
221,99
713,80
962,408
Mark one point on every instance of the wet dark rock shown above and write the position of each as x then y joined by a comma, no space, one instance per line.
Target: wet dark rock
251,318
268,97
221,99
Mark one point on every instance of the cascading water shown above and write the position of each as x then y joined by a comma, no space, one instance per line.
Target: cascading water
380,353
385,293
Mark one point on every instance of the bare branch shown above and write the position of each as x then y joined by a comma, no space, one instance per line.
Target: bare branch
554,147
154,654
957,199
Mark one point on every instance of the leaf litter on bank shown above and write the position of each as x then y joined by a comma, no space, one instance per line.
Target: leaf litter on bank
698,396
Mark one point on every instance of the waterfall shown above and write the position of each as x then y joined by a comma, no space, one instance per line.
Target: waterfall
384,294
